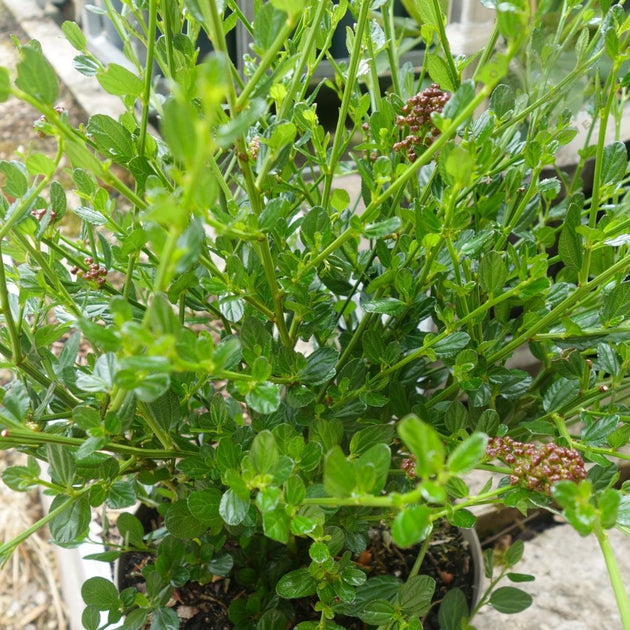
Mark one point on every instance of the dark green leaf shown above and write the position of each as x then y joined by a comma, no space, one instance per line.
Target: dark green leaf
570,246
492,273
385,306
377,612
180,521
14,180
560,393
320,366
614,162
232,508
131,529
164,619
439,71
416,595
520,577
450,345
71,525
100,593
453,610
509,600
296,584
514,553
617,304
264,398
62,466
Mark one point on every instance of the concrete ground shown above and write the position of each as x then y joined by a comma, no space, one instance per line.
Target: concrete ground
572,589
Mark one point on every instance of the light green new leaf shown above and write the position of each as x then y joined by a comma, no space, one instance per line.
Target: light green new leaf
35,75
425,443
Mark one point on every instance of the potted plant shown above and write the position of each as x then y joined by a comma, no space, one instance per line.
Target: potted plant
290,374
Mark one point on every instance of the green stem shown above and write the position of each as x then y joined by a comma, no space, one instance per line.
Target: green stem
450,64
355,59
415,569
148,73
9,547
14,337
623,602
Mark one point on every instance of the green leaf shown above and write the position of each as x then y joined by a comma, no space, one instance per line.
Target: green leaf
339,474
514,553
177,126
608,503
119,81
385,306
425,443
377,612
320,366
451,345
453,610
614,162
122,494
416,595
264,398
71,525
377,459
382,228
559,393
464,519
492,273
111,138
74,35
264,453
91,618
62,466
616,305
14,182
131,529
136,619
411,525
296,584
520,577
502,100
509,600
36,76
180,521
164,619
467,454
570,242
439,71
100,593
232,508
276,525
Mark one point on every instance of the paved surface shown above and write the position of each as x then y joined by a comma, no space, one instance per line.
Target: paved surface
571,591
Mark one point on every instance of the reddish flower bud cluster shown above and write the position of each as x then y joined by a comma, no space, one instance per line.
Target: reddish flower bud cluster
537,468
416,119
95,272
39,214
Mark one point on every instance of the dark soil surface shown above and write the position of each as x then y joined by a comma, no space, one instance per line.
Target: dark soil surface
205,607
